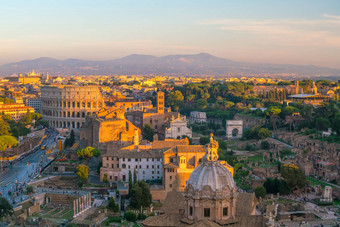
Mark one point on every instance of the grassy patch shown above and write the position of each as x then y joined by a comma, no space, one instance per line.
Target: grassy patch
67,215
256,158
314,181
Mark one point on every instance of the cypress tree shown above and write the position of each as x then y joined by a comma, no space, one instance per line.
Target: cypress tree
134,176
130,182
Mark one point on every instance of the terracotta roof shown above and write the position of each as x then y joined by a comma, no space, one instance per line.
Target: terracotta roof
173,203
244,203
170,220
190,148
154,153
169,143
171,166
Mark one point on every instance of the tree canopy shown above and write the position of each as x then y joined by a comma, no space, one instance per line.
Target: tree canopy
83,173
148,132
175,99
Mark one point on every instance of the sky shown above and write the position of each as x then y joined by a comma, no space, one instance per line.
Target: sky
289,31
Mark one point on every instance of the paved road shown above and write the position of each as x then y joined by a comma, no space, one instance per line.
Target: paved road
22,173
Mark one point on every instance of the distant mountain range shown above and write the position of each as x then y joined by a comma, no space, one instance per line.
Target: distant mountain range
172,64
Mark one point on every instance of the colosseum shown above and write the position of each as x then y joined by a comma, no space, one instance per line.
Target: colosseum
66,106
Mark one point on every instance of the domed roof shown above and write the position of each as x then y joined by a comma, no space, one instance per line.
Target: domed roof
211,172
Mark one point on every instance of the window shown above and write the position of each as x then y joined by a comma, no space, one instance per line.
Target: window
207,212
170,177
124,178
170,185
140,166
153,172
153,166
129,159
113,166
117,165
147,159
136,159
129,166
225,211
190,211
157,166
123,166
123,159
110,177
107,158
107,165
112,158
152,159
178,129
157,172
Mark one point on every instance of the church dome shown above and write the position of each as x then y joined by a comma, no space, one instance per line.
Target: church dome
211,172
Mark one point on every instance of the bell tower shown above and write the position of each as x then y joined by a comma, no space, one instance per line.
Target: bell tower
160,102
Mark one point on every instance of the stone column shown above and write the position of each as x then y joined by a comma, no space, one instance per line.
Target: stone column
79,204
85,201
74,207
90,199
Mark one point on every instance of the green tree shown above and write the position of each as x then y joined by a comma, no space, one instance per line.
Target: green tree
265,144
336,123
5,142
272,112
26,118
130,182
260,191
190,98
29,189
141,216
113,205
175,99
263,133
72,138
202,103
140,195
4,128
83,173
322,124
105,180
136,195
85,153
135,175
148,132
293,175
147,198
96,152
5,207
204,140
130,216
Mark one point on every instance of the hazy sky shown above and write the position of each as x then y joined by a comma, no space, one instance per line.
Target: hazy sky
274,31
